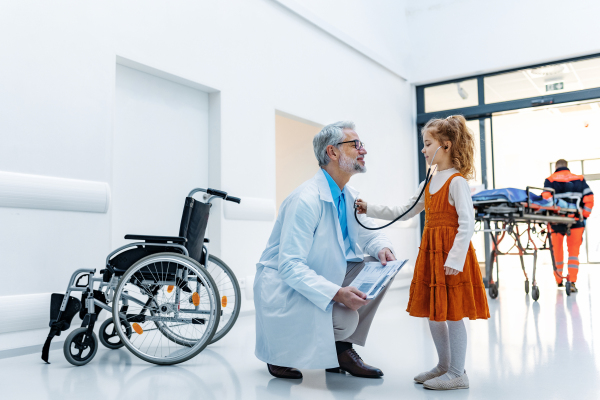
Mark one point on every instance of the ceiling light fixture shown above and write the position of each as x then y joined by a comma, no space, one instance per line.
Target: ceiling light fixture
548,70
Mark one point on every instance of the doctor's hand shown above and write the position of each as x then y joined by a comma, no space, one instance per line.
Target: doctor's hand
361,206
385,255
351,297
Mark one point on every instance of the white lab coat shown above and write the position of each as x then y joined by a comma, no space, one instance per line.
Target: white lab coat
301,269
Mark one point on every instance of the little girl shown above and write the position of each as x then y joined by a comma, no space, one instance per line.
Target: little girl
447,284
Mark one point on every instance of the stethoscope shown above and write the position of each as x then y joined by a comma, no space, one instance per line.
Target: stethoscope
427,179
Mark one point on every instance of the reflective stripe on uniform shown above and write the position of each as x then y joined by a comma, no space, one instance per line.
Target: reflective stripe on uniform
568,194
573,258
587,209
576,266
587,191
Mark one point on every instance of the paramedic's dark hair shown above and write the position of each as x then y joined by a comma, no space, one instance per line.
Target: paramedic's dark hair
454,129
562,163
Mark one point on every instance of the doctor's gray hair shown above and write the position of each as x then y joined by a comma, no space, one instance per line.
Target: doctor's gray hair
332,134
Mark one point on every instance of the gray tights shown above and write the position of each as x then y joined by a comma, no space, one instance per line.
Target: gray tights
450,338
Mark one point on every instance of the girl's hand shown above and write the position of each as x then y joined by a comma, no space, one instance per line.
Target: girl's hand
451,271
361,206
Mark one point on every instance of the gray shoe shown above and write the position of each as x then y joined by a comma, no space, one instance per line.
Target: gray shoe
427,375
462,382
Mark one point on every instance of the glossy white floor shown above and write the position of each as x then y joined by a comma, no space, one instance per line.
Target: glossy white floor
546,349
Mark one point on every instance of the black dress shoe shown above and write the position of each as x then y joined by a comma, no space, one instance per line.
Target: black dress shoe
351,362
284,372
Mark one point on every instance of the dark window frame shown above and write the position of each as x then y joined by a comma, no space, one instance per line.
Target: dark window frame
483,111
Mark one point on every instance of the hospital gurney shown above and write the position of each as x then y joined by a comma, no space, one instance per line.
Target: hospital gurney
519,214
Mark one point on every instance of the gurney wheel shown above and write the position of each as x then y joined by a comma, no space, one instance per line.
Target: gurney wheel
568,288
80,348
108,334
527,287
493,291
535,293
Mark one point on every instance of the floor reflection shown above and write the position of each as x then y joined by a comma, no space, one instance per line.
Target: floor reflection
527,349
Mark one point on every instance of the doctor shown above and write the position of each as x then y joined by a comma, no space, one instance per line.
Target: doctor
306,314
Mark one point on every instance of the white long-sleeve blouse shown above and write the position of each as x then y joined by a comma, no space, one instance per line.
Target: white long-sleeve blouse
459,197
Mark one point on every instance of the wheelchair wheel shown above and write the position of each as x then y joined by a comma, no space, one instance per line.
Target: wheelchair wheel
535,293
526,287
172,305
229,290
80,348
108,334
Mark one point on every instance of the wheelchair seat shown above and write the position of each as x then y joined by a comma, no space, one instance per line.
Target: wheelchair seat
191,235
122,261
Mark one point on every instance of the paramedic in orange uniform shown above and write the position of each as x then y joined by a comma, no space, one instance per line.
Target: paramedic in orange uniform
574,190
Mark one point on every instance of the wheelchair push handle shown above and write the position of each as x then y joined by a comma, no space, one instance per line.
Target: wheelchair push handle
234,199
217,193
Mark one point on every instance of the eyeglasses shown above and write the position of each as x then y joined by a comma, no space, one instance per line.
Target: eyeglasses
357,144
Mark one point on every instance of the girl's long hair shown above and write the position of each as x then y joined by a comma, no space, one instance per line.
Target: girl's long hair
454,129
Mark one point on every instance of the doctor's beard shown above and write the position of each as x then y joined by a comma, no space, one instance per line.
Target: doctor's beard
351,165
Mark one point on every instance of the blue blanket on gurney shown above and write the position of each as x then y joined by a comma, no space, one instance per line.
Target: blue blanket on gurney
514,195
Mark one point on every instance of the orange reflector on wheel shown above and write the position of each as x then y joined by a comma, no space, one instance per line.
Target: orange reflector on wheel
196,299
224,301
170,288
137,328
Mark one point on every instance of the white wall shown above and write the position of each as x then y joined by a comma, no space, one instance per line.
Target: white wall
456,38
57,78
379,25
255,56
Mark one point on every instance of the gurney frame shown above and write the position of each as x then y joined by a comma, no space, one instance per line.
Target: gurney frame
516,220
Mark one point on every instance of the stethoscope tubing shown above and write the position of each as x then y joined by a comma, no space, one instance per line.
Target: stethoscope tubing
427,179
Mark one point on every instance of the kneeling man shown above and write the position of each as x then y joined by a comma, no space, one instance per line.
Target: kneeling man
306,314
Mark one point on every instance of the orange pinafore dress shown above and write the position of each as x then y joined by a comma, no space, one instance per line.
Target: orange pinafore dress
433,294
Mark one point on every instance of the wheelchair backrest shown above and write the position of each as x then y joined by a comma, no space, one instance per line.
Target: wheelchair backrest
193,226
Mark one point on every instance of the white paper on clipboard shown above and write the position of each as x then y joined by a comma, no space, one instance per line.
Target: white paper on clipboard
374,277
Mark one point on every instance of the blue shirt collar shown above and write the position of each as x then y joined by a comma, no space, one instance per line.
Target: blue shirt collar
335,189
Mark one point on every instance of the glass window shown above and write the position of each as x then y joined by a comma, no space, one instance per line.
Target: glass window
592,167
473,125
542,81
451,96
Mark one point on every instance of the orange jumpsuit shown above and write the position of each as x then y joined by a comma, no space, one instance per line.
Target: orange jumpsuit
575,190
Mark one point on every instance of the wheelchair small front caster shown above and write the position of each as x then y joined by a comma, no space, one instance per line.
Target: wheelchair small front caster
568,288
493,290
79,347
108,334
535,293
527,287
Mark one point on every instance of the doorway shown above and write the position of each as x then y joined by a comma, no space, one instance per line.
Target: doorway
295,160
527,142
160,153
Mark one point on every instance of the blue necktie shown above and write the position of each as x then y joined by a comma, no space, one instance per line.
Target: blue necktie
342,215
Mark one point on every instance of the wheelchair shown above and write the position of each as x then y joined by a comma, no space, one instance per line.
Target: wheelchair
171,298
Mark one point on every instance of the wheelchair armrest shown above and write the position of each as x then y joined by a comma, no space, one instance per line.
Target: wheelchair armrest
157,239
